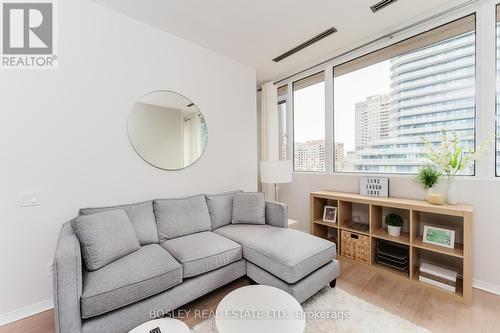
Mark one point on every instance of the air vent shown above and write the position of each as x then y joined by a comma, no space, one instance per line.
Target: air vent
381,5
302,46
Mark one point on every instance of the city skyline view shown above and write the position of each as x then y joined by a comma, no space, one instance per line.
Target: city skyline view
382,110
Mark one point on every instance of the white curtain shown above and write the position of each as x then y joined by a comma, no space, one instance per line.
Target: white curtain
192,138
269,130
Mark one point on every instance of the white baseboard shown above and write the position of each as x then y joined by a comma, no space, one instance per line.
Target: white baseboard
27,311
486,286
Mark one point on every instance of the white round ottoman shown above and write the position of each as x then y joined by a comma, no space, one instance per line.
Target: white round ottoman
163,325
261,309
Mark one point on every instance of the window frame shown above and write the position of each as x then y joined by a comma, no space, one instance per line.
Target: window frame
291,95
330,167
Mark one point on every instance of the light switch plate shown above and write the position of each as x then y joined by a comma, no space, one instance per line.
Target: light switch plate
29,198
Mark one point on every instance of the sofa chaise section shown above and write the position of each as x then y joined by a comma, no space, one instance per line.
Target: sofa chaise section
288,254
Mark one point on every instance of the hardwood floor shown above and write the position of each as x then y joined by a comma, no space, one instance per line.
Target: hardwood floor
435,312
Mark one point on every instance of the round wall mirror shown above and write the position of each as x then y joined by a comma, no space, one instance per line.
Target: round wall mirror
167,130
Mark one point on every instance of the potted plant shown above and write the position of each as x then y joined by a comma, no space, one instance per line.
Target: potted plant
428,177
394,223
452,157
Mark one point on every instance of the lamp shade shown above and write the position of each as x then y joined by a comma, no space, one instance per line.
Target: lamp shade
276,172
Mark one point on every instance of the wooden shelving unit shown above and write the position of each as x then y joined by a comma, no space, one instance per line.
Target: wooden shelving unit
415,213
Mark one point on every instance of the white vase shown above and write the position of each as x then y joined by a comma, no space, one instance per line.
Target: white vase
452,195
394,231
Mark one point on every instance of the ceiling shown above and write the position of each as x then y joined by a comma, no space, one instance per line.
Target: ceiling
253,32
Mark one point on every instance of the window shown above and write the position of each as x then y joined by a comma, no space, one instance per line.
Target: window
309,123
282,123
386,101
498,95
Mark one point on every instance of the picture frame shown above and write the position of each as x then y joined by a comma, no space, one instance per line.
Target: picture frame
330,214
439,236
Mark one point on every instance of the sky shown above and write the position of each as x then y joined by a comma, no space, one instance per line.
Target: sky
349,89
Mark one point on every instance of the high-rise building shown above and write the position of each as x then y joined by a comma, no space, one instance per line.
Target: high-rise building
432,89
339,156
310,156
372,120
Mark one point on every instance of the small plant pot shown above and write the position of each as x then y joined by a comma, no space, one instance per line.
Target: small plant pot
434,197
394,231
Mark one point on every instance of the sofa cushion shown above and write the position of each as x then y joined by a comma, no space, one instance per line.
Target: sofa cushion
105,237
249,208
203,252
286,253
220,208
141,274
180,217
140,214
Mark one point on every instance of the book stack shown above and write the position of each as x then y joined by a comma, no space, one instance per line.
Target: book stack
393,255
441,277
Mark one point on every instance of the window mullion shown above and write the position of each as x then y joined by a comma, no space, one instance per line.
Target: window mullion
329,144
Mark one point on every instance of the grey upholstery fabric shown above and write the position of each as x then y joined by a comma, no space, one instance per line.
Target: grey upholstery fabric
289,254
302,289
127,318
277,214
136,276
179,217
220,207
203,252
140,214
105,237
249,208
67,279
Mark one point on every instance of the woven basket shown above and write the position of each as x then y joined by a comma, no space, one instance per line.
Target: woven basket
355,246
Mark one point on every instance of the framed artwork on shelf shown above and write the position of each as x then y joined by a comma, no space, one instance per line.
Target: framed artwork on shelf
439,236
330,214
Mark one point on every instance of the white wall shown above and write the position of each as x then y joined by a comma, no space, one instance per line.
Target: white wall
64,132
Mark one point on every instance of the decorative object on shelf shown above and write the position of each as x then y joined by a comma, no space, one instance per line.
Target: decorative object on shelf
428,176
393,255
440,277
394,223
374,186
276,172
452,157
355,223
439,236
330,214
355,246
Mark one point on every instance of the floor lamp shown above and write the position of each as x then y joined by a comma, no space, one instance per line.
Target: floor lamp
276,172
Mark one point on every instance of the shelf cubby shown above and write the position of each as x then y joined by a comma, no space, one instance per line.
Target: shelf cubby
416,214
379,229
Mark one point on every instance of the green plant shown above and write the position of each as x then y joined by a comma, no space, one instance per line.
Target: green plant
451,156
428,176
394,220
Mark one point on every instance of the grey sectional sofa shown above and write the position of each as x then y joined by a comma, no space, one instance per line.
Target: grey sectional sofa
188,247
